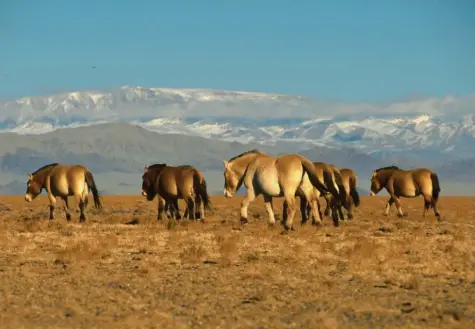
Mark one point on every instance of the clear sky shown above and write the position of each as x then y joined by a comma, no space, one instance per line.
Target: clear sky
353,50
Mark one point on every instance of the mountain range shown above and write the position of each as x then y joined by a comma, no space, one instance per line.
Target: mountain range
117,132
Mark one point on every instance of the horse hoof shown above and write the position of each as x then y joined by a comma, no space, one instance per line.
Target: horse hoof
244,220
288,228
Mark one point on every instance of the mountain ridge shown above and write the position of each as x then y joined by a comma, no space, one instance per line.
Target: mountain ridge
421,126
118,152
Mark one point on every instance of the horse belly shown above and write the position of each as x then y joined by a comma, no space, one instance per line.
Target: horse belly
268,183
59,185
406,188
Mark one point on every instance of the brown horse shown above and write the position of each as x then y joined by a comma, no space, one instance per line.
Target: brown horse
172,183
332,181
351,198
407,184
284,175
63,181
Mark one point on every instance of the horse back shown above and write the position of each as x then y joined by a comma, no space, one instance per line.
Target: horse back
176,181
67,179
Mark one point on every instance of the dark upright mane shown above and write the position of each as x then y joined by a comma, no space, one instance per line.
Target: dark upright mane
44,167
386,168
157,165
245,153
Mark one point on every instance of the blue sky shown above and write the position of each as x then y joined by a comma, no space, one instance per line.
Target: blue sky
336,50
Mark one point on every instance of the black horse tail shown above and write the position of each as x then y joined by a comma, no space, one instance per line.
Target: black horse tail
92,185
200,187
353,192
435,187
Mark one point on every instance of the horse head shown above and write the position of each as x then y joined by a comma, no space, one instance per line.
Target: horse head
33,188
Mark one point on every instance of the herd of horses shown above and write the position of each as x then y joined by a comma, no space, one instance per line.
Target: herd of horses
287,176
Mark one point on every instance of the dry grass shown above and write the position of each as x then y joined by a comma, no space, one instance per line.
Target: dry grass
125,269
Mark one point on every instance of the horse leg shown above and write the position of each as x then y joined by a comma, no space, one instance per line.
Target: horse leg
269,209
340,212
436,211
313,207
176,209
52,205
388,206
334,212
284,213
191,207
349,207
400,213
81,204
290,199
161,207
250,196
198,206
66,208
328,198
171,209
304,205
430,202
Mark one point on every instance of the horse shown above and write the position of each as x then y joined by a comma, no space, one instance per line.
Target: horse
283,175
171,183
333,181
63,181
407,184
350,181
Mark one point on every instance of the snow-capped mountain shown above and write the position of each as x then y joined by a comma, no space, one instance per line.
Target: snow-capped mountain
422,126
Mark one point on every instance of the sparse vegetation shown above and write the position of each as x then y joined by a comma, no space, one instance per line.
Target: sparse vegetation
123,268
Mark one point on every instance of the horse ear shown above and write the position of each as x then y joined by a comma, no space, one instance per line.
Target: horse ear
30,176
373,175
145,169
225,163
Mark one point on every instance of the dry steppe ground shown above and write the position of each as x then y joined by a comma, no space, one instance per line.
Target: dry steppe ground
125,269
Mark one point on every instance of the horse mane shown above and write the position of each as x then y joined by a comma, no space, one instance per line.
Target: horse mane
44,167
256,151
157,165
386,168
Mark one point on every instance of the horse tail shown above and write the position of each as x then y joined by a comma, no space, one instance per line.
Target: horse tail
435,187
309,168
338,181
333,183
92,185
200,187
353,192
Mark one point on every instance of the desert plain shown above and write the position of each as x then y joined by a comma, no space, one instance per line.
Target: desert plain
123,268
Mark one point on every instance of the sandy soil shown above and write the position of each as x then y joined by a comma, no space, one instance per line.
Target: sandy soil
125,269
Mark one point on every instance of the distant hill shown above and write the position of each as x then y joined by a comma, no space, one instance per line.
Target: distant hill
118,152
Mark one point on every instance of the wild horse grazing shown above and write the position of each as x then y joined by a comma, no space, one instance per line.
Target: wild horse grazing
407,184
63,181
351,198
172,183
284,175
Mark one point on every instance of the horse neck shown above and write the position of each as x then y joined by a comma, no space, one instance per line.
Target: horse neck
384,175
239,165
40,177
154,174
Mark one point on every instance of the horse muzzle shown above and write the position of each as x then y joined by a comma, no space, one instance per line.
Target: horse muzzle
144,193
28,198
371,193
